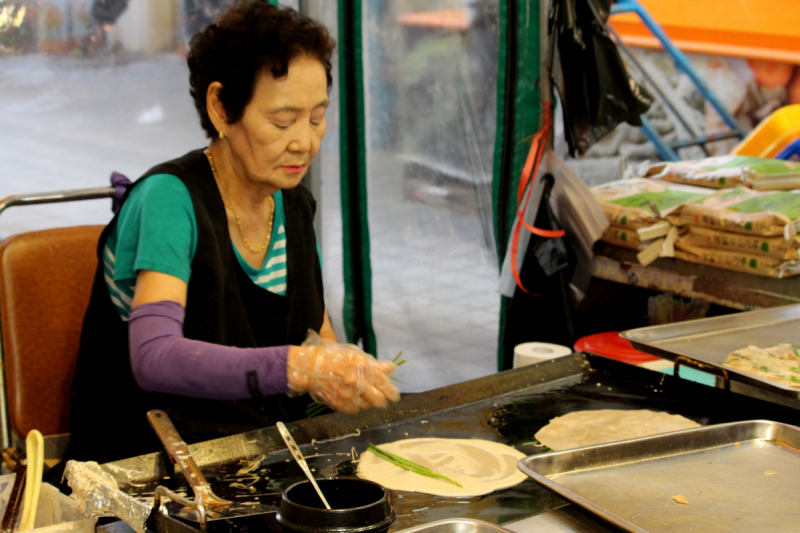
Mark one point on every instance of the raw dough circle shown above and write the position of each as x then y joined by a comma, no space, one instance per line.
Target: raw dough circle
481,466
587,428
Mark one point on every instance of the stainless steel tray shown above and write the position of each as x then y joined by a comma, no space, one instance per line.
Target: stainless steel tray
457,525
711,340
719,469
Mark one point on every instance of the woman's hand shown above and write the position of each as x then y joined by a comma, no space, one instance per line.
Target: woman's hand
341,376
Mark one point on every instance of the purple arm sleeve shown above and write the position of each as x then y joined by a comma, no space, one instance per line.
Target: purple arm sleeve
163,360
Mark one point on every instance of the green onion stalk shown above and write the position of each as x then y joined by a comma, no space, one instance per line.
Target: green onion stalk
410,466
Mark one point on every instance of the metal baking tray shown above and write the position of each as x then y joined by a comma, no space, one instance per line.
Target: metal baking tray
457,525
711,340
724,471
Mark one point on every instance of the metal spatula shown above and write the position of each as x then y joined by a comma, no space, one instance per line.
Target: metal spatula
298,456
178,452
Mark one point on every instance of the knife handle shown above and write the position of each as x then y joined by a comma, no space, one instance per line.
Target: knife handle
9,521
178,453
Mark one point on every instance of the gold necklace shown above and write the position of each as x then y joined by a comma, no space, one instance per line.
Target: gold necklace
207,151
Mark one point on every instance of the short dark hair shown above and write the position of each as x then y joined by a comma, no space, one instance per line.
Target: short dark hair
250,37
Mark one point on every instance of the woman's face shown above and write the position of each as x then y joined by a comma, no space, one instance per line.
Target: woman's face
282,126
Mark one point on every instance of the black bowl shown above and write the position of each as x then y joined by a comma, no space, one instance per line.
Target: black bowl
357,506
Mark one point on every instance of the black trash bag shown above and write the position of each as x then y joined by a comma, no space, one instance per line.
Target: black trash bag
108,11
199,14
547,269
597,93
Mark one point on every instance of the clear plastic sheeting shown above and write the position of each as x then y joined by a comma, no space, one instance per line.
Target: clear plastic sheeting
430,70
97,493
55,512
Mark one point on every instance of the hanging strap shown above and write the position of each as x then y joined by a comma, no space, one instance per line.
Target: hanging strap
529,171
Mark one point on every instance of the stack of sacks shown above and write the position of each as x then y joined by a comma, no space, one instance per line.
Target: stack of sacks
743,230
637,210
729,171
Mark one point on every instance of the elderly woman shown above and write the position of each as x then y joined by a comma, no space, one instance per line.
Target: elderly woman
209,278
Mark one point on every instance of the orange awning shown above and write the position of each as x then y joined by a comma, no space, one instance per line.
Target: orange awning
453,19
752,29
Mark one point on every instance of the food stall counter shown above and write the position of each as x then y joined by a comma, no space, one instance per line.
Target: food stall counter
509,407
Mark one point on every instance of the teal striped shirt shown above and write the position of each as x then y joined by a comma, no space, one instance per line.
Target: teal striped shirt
272,274
157,230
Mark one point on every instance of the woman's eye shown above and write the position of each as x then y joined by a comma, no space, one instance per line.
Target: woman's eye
282,125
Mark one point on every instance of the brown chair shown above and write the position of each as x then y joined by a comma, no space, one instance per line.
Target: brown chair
45,283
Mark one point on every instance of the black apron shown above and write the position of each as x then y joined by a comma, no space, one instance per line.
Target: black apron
224,306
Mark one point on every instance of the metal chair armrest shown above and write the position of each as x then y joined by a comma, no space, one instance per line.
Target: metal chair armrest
55,197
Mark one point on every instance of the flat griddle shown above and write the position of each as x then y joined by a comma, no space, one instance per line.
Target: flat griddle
507,407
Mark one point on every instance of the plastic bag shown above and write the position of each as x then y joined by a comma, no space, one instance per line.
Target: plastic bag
576,211
729,171
549,314
736,260
742,210
640,203
776,247
624,237
597,93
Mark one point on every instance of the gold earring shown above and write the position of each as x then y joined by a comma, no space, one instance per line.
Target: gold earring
221,135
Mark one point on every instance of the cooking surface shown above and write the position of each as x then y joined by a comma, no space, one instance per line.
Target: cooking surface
527,400
277,471
741,477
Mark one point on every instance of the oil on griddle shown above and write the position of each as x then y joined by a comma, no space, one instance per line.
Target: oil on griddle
261,480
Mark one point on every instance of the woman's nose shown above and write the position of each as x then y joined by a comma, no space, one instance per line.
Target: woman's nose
301,141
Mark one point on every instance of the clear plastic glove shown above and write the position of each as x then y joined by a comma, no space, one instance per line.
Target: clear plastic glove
341,376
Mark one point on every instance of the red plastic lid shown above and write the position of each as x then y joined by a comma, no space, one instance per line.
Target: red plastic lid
610,344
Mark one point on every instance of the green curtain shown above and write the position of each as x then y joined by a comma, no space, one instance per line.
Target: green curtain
357,312
517,121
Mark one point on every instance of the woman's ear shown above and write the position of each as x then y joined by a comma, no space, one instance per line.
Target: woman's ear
215,109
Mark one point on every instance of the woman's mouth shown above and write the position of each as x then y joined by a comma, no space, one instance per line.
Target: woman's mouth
293,169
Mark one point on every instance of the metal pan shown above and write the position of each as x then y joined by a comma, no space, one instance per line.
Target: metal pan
711,340
457,525
738,477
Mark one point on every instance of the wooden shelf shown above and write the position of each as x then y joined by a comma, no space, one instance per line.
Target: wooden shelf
724,287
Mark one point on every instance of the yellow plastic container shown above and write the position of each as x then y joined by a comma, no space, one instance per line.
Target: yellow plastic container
773,134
